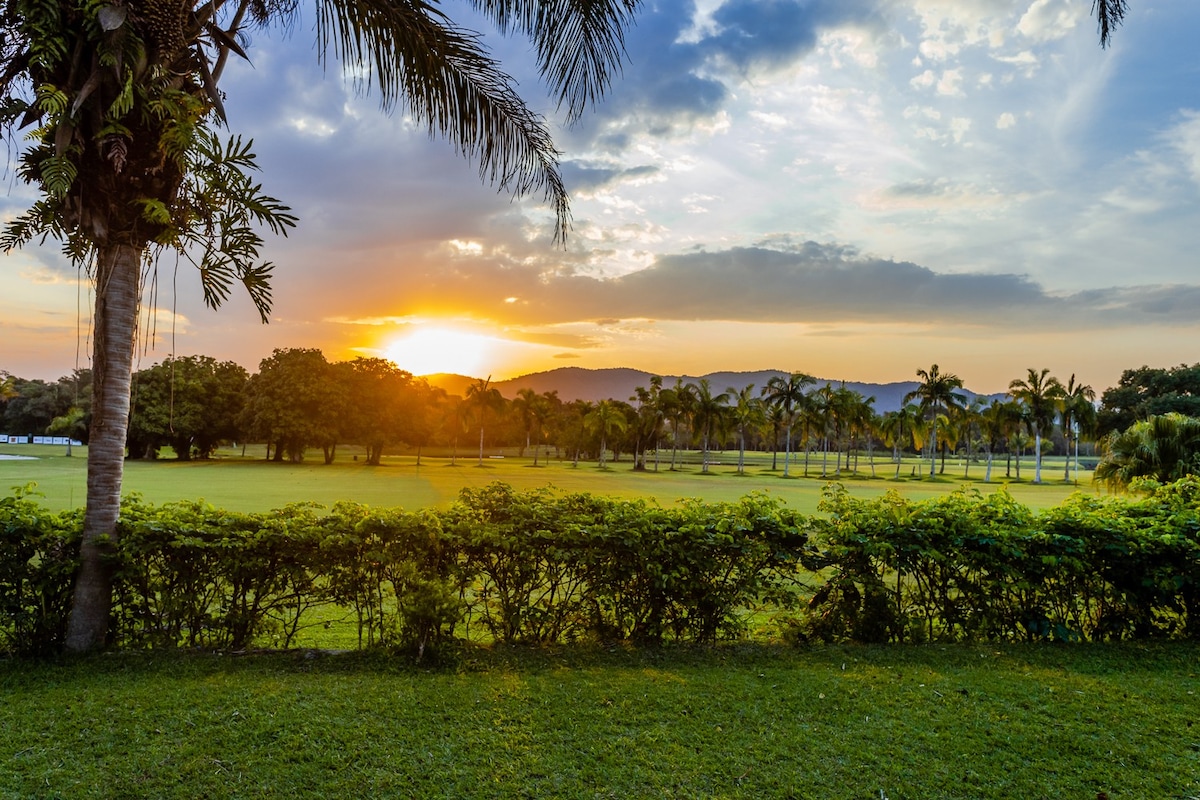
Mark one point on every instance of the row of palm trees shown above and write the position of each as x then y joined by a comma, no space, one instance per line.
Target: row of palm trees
793,410
1033,403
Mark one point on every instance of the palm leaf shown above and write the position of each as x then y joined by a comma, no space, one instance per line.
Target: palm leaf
580,43
1109,14
444,77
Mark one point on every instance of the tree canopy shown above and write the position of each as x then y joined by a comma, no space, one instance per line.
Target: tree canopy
124,108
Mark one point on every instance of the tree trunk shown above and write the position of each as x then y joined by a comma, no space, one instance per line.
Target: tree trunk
118,272
933,450
1037,455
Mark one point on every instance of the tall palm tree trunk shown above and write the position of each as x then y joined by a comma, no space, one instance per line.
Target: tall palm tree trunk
933,449
118,271
787,450
1037,455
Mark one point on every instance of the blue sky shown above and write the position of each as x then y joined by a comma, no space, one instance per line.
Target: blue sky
851,188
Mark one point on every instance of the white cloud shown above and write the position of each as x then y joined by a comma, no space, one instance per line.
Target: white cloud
924,80
950,84
1006,121
1047,20
771,121
1185,138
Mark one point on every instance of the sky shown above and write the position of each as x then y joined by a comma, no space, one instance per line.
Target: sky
849,188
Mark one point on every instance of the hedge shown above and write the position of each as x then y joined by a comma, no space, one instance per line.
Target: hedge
538,567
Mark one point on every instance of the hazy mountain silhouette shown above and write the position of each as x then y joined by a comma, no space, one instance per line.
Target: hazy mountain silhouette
577,383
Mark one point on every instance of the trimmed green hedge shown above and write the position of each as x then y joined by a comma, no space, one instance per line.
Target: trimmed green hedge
537,567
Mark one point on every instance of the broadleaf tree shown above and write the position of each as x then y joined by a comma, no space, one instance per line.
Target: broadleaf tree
120,106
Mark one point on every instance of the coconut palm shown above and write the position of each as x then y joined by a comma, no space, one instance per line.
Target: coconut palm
124,101
993,428
677,403
578,411
483,397
747,412
706,412
1039,393
787,393
899,430
523,404
774,416
1076,413
937,395
606,419
969,420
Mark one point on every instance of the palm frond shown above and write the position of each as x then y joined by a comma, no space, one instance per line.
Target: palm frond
443,76
1109,14
580,43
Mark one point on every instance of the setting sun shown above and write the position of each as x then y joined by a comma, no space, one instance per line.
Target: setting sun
431,350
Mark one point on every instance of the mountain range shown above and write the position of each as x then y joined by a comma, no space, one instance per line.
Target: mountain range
577,383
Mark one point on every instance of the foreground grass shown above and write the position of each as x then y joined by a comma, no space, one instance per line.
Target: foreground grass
737,722
251,484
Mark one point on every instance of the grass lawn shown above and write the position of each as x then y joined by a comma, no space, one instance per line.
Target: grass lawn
1010,721
251,484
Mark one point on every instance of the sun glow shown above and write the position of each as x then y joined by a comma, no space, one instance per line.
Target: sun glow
431,350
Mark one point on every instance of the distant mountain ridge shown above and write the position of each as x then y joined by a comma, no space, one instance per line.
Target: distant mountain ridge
578,383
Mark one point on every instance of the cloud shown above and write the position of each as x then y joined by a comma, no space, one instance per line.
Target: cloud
582,178
807,282
686,72
1047,20
1185,138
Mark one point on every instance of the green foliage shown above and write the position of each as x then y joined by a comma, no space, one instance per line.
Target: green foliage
1149,391
537,567
966,566
1163,448
37,565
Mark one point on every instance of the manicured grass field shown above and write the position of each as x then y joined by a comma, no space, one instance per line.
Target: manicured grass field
251,484
1114,721
736,721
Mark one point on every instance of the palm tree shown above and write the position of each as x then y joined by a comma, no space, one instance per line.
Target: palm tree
899,429
604,420
647,421
993,427
1039,393
775,417
125,103
580,410
705,413
677,403
787,394
524,404
747,413
484,397
937,395
823,400
1077,412
969,421
1165,448
543,409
